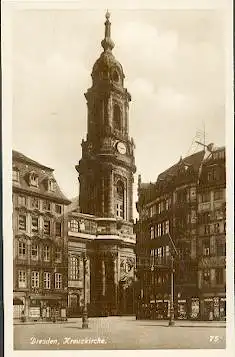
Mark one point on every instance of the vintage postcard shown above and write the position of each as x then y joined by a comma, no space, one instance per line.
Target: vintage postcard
117,122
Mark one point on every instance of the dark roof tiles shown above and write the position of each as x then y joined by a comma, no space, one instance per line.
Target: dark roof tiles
26,166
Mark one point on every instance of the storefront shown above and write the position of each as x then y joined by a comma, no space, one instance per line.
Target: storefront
158,309
213,308
182,309
47,308
195,309
222,309
18,307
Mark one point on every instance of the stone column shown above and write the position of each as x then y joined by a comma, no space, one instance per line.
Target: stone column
115,280
88,293
110,203
103,277
102,197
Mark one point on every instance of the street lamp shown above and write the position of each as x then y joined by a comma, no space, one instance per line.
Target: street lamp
171,320
84,312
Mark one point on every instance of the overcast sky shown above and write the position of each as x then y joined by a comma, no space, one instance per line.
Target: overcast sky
174,66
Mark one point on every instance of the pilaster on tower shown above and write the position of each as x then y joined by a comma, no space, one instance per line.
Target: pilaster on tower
107,165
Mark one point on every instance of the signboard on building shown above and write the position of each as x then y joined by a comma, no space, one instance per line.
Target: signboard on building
34,312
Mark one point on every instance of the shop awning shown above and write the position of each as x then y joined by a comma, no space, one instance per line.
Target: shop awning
17,301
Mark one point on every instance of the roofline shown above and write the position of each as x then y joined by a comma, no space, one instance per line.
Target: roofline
18,156
183,159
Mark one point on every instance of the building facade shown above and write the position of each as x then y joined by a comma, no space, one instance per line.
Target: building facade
171,210
106,189
212,236
91,281
40,268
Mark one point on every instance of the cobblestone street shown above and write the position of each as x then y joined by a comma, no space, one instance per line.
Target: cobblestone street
119,333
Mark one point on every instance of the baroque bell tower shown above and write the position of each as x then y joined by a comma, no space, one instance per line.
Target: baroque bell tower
107,165
106,172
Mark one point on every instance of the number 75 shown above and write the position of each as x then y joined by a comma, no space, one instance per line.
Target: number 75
214,339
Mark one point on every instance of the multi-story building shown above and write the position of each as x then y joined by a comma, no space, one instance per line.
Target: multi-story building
212,236
170,211
40,241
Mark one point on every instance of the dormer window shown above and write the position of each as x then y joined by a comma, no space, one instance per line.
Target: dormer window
51,185
15,174
33,179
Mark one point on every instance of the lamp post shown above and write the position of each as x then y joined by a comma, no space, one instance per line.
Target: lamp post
84,312
171,320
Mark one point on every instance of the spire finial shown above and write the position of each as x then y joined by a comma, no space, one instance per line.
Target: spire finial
107,42
107,15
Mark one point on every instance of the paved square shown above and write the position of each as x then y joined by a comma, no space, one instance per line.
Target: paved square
119,333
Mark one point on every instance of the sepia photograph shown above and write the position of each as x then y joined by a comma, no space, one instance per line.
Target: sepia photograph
118,149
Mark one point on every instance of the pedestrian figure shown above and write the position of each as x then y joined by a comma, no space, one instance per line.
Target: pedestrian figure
22,316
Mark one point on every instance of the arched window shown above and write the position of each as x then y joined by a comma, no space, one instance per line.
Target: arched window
104,72
117,122
120,199
115,76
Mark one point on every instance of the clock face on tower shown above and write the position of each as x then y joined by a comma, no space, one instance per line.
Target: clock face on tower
121,148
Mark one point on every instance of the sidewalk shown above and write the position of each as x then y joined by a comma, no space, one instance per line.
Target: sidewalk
184,323
129,320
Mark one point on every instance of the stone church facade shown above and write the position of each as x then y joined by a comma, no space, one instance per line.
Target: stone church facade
105,202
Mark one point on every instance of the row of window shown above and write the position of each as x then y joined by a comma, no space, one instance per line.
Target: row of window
215,228
207,249
158,255
162,228
160,207
36,203
159,279
165,205
206,217
207,276
33,179
35,280
217,194
46,252
81,226
159,229
47,226
214,174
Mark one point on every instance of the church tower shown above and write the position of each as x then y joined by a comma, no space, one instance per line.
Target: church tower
107,165
106,172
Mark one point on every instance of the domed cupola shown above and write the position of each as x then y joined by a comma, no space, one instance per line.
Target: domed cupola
107,68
